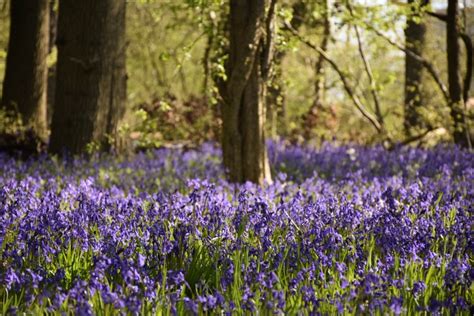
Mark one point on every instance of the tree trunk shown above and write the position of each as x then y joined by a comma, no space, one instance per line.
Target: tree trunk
53,30
276,94
460,133
53,25
319,85
276,102
24,87
415,41
90,76
310,117
245,155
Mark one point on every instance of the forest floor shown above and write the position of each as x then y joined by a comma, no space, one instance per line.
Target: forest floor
345,229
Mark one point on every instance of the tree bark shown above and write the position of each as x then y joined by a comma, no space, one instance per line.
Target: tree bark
91,76
460,133
415,41
244,151
24,86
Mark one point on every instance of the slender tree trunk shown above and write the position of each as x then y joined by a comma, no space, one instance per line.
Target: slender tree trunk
276,94
310,118
460,134
206,61
53,30
91,76
24,87
415,41
276,101
53,25
469,65
245,155
320,82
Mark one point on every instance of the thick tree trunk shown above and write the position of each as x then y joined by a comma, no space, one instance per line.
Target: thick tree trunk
91,76
415,41
460,134
245,155
24,87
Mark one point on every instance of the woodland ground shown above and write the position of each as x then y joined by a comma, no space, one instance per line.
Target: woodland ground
344,229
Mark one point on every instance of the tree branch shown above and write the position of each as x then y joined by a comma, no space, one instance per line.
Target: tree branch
439,16
368,70
429,66
413,138
347,87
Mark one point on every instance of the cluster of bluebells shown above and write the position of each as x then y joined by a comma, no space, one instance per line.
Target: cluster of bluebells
340,230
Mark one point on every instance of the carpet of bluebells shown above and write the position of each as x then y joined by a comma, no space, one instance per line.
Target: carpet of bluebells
349,230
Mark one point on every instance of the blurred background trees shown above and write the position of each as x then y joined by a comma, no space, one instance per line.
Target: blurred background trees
346,71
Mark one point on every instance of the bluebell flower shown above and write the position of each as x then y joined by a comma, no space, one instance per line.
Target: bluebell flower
396,305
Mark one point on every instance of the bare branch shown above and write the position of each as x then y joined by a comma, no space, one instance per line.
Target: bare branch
347,87
439,16
429,66
368,70
413,138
